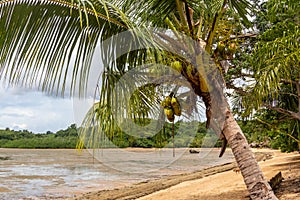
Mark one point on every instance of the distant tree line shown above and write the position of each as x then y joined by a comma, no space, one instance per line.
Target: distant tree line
261,132
186,134
26,139
69,138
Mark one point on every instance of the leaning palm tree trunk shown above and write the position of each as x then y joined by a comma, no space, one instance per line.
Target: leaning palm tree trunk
254,179
230,132
222,121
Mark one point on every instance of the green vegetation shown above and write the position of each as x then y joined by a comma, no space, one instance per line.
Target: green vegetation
266,131
68,138
270,129
25,139
186,134
271,63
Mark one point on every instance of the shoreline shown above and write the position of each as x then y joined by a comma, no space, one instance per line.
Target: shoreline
146,189
214,182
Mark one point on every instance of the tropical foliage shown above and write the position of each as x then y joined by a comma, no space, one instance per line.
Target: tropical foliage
270,74
269,134
276,58
268,130
68,138
25,139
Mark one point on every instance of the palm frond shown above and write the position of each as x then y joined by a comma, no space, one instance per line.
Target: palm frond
243,8
51,39
277,60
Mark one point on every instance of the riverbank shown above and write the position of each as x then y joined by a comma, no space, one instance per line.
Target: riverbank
215,183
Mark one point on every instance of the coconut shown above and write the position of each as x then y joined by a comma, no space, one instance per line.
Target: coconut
169,113
177,66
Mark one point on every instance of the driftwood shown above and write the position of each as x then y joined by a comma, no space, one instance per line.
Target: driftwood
194,151
4,158
276,180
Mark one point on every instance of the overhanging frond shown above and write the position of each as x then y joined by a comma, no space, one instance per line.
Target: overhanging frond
48,44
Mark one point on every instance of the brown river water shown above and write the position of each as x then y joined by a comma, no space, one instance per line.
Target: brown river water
61,173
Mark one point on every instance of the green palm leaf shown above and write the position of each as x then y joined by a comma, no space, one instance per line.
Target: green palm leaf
51,39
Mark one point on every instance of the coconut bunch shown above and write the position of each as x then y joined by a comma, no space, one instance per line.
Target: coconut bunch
226,50
171,107
183,68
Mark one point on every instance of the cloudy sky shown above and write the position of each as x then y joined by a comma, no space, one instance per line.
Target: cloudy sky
35,111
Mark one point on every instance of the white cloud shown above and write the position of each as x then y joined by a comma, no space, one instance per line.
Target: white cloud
32,110
35,111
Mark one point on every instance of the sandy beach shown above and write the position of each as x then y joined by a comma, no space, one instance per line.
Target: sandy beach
215,183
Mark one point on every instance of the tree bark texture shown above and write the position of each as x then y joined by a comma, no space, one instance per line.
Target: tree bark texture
254,179
222,121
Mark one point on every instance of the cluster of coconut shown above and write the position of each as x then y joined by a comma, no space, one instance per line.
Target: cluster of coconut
171,107
226,49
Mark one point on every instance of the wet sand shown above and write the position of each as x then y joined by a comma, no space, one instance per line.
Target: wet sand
67,174
53,174
64,173
215,183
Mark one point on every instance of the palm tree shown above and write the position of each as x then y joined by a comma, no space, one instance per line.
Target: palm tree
277,59
276,69
39,40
